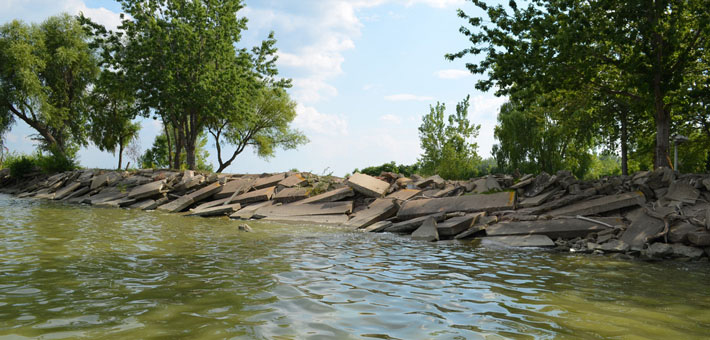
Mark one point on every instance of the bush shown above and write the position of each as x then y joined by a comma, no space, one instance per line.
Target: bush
406,170
56,162
20,165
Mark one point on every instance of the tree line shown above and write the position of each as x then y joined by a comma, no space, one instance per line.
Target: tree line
180,62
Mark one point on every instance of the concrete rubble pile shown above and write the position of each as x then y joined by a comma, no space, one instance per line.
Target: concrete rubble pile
652,214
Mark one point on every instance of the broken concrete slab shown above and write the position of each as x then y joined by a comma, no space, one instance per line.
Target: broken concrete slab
81,191
682,192
679,233
269,181
427,231
535,201
292,181
525,181
540,183
614,246
210,204
518,241
216,210
409,226
601,205
641,229
264,194
235,187
448,190
313,219
435,181
466,203
380,209
99,181
368,185
404,194
67,190
177,205
699,238
471,231
205,192
567,228
147,190
289,195
107,194
247,212
143,205
330,196
328,208
456,225
377,227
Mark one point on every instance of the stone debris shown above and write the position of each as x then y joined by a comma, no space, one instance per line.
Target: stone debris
653,214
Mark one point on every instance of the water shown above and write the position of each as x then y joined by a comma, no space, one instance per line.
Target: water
70,272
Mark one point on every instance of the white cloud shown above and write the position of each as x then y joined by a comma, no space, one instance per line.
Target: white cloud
391,119
39,10
452,74
436,3
408,97
309,119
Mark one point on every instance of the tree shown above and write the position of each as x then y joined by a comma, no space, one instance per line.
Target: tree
158,156
448,150
45,71
181,55
564,44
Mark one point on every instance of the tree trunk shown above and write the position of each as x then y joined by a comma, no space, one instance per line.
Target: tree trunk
624,144
663,127
170,146
120,153
178,146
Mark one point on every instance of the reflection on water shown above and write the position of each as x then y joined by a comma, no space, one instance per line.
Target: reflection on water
78,272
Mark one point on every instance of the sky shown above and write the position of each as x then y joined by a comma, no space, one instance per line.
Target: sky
364,74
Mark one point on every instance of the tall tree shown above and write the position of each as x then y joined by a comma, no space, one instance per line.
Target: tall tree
179,54
568,44
45,71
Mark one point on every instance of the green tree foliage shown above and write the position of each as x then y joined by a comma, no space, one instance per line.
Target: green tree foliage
45,71
642,51
406,170
159,155
448,149
182,57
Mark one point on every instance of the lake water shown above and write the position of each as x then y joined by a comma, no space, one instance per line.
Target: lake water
69,271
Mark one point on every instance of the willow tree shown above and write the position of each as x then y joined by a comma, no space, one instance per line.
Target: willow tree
573,44
45,71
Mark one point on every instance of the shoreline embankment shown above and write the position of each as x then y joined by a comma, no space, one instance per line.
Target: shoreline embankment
651,214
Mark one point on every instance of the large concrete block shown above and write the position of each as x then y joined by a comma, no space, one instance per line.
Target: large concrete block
427,231
565,228
147,190
601,205
468,203
269,181
518,241
380,209
641,229
368,185
255,196
330,196
328,208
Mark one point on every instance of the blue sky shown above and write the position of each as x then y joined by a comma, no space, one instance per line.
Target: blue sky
364,72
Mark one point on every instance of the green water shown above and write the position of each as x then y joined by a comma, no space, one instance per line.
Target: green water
71,272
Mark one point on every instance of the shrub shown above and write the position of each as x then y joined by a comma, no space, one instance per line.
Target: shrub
20,165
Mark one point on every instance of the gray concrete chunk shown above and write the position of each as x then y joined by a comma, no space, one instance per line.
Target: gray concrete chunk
235,187
255,196
205,192
328,208
313,219
377,227
67,190
177,205
247,212
330,196
641,229
456,225
682,192
409,226
467,203
380,209
289,195
269,181
147,190
404,194
601,205
368,185
518,241
427,231
216,210
292,181
564,228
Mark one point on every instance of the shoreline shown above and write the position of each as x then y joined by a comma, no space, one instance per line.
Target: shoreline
654,215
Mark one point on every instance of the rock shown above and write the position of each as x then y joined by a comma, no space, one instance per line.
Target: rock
377,227
67,190
564,228
456,225
518,241
292,181
368,185
679,233
682,192
472,231
467,203
427,231
269,181
177,205
537,200
328,208
525,181
684,251
330,196
380,209
492,183
614,246
404,194
245,228
311,219
289,195
699,238
541,182
106,195
660,178
217,210
247,212
147,190
658,250
448,190
435,181
641,229
210,204
409,226
255,196
99,181
601,205
235,188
